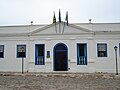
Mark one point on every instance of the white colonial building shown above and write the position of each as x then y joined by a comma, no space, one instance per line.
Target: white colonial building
80,47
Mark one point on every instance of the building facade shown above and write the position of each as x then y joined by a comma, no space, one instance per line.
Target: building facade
80,47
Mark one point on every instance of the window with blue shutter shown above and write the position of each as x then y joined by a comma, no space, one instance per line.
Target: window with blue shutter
82,54
39,54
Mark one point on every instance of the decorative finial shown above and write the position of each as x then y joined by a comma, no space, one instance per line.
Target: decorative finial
31,22
90,20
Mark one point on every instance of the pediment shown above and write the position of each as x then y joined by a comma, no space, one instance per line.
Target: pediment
60,28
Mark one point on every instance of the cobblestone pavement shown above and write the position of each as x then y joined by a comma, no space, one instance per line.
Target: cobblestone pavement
59,82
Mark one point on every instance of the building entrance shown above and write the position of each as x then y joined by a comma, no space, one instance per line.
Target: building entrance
60,57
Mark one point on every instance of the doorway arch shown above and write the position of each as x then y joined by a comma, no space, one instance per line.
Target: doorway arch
60,57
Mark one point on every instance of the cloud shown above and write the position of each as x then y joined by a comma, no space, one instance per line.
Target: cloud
41,11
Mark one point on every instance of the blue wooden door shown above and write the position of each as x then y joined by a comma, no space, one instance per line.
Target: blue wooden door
60,57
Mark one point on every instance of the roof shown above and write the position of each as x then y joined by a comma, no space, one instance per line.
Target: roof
98,28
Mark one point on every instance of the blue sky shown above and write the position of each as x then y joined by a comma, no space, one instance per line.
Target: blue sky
41,11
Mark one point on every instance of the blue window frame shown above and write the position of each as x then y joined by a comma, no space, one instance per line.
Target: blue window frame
1,51
39,54
82,54
119,49
102,50
21,51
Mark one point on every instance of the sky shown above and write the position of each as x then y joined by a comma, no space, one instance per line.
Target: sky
20,12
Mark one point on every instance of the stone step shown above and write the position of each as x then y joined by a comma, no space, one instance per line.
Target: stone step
61,74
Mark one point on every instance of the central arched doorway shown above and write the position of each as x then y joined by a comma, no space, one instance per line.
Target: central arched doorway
60,57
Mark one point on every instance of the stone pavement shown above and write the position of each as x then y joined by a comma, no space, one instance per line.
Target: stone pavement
59,81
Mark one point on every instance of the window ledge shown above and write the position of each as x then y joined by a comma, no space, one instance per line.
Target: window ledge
91,61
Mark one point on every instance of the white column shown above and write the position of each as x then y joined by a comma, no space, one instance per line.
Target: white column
48,47
91,50
91,55
72,51
31,54
72,54
48,60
